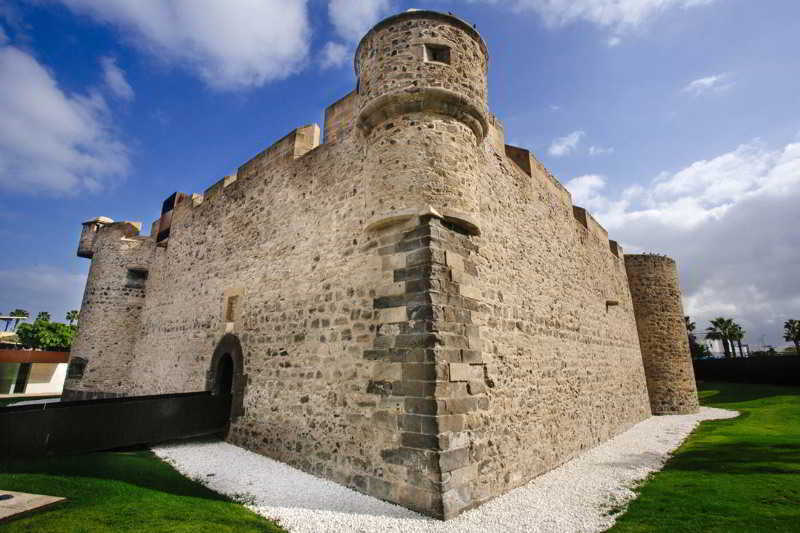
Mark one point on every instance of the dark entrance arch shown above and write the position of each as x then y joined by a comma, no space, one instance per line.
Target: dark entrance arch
226,373
223,384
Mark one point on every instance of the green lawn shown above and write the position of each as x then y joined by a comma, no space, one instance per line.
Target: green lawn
122,491
732,475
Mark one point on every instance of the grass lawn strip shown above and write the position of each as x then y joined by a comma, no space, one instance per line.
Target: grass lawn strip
122,491
739,475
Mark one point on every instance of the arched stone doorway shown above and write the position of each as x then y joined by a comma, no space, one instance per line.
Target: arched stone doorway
226,373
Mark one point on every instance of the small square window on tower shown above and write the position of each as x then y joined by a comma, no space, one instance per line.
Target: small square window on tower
136,278
437,53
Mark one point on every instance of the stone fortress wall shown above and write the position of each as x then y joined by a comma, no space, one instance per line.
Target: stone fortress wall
424,316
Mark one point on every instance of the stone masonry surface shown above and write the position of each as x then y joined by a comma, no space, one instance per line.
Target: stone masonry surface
422,314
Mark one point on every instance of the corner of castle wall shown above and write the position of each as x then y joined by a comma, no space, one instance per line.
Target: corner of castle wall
340,118
497,133
520,156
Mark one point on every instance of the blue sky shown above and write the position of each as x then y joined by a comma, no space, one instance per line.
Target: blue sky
676,122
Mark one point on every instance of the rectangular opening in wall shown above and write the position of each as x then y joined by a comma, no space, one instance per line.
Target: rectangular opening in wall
437,53
230,309
136,279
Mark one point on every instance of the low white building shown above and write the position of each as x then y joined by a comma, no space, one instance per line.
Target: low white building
718,350
32,372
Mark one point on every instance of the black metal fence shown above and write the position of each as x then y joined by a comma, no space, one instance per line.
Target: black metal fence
85,426
774,370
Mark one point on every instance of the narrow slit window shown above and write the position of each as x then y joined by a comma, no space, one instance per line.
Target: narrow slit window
136,279
230,309
437,53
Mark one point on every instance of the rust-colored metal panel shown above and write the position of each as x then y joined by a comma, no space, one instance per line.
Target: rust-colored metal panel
33,356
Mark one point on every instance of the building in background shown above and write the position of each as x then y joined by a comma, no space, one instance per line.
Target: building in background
32,372
28,372
717,349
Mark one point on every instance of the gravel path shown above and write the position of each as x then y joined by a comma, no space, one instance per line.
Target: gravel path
576,496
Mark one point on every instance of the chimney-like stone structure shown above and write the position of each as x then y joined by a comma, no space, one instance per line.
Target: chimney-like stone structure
656,296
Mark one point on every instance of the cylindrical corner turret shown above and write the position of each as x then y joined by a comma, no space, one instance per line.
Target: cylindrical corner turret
423,61
102,352
88,235
422,106
653,281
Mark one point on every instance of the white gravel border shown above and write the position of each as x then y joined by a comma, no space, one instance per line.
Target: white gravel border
577,496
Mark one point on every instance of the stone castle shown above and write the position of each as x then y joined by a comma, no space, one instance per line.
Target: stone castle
413,308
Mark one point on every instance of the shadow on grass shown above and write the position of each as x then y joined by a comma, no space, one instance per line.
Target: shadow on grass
740,458
135,466
718,392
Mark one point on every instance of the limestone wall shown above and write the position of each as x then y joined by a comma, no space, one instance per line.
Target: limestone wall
662,333
559,341
288,239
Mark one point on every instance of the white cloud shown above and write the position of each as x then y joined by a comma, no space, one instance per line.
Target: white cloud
716,83
619,14
731,223
555,108
352,19
41,288
231,45
599,150
566,145
115,79
51,141
613,41
335,55
587,191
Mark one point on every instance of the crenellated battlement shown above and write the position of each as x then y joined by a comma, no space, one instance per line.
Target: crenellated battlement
526,162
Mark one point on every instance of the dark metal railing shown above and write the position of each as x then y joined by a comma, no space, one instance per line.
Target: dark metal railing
92,425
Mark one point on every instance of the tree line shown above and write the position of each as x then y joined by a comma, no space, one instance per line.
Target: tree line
43,334
731,334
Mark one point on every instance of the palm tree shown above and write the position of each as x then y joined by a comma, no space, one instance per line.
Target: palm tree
44,316
21,314
737,334
72,316
721,329
791,332
694,348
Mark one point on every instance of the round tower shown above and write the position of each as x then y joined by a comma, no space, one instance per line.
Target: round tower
653,281
422,108
102,352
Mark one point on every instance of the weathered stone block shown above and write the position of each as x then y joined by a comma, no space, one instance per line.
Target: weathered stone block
460,372
454,459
